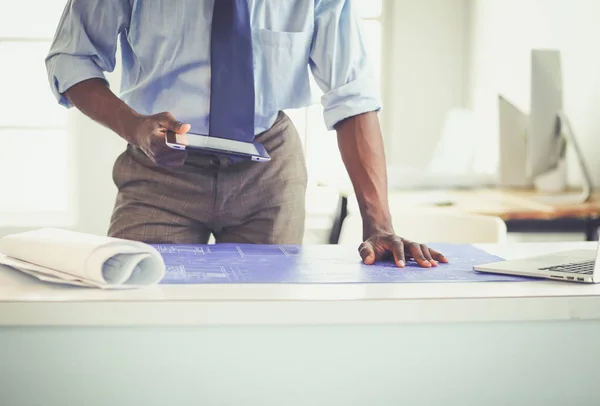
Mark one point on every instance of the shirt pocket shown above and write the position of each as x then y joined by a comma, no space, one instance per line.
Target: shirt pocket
281,68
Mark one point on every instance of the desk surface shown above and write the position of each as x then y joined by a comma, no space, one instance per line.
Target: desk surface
25,301
508,204
421,345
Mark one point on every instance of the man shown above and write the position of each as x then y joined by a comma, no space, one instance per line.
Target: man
220,67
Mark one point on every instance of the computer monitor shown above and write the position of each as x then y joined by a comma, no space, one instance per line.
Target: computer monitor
550,131
545,144
513,127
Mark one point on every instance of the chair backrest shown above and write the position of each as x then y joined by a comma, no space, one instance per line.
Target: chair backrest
434,227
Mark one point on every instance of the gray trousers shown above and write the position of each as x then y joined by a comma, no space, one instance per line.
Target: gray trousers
243,202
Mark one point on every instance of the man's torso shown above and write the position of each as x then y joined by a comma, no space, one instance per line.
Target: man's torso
166,58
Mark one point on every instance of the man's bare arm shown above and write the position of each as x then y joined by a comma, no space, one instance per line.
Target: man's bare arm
361,146
95,99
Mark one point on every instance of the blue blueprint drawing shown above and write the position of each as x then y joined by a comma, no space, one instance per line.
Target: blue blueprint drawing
231,263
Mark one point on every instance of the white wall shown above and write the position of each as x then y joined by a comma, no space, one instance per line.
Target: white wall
96,148
425,72
503,32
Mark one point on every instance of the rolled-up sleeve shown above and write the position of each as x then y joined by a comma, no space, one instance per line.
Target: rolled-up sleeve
339,62
85,43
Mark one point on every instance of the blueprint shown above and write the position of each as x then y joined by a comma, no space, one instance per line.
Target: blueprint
305,264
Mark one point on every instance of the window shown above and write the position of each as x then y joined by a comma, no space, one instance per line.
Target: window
34,144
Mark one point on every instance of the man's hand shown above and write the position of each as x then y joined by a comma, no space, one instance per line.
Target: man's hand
361,146
383,246
94,98
149,132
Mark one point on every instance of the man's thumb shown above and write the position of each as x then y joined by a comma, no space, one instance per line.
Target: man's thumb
170,123
181,128
367,253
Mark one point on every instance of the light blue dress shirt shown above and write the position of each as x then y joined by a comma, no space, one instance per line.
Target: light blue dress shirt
165,47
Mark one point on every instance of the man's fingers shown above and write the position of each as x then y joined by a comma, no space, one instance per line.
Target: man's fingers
172,159
181,128
381,245
417,254
367,253
158,142
398,251
170,123
427,254
159,146
437,256
169,154
162,155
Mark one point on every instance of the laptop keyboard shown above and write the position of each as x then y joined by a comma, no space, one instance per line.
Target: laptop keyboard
585,268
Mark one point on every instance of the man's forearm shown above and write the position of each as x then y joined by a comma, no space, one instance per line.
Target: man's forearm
361,146
94,99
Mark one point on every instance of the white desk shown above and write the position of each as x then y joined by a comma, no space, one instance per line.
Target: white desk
416,344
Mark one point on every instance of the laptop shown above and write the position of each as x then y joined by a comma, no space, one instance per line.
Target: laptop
581,266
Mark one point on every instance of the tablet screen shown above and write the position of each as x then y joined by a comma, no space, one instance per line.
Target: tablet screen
203,141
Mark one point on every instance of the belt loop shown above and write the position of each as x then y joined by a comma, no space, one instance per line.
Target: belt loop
224,161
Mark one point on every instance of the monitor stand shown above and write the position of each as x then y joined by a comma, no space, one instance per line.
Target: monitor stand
557,177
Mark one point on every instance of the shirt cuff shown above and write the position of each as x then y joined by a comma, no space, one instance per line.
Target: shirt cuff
351,99
65,71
